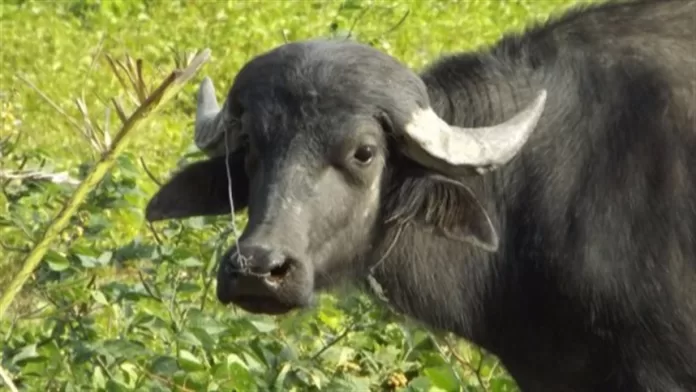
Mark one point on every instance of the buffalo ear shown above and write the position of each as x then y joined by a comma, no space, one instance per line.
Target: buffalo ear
201,189
444,205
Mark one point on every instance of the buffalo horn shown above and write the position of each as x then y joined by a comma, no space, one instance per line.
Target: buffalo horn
212,123
457,150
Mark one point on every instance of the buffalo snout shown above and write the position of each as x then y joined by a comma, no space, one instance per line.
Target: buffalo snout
261,278
258,262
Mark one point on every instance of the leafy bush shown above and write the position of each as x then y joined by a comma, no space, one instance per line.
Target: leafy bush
120,305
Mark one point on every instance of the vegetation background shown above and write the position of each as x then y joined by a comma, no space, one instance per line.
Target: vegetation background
121,305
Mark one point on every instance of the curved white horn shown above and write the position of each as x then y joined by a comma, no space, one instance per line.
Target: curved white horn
432,142
212,122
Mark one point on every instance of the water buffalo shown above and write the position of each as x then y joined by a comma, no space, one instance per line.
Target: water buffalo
537,198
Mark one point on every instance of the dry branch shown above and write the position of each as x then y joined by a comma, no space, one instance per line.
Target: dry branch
154,101
56,178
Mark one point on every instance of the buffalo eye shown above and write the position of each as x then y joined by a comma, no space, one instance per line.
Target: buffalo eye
364,154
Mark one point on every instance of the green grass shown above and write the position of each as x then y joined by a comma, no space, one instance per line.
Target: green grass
117,307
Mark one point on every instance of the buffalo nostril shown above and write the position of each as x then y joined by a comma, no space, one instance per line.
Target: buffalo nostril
280,271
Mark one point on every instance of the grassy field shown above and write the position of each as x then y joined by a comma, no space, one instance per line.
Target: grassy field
118,305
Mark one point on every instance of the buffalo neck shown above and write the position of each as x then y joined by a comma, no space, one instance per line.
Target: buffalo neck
422,267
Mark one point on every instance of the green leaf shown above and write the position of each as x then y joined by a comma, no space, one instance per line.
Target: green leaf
205,322
192,380
351,5
127,165
116,386
502,384
388,354
263,326
280,379
88,261
154,307
189,262
124,349
187,337
233,375
311,377
442,377
164,365
33,368
288,353
349,384
98,379
190,362
56,261
197,223
27,353
83,250
131,371
420,384
99,297
105,258
337,354
189,288
207,342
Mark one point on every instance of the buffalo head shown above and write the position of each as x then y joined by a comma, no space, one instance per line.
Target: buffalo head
331,146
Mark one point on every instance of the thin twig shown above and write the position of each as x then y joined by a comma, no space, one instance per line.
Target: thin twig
119,110
335,340
128,70
154,233
463,362
100,46
6,146
479,367
55,106
397,25
88,128
102,365
149,173
357,19
141,82
147,287
114,69
434,339
7,379
11,248
208,277
492,372
106,135
169,383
